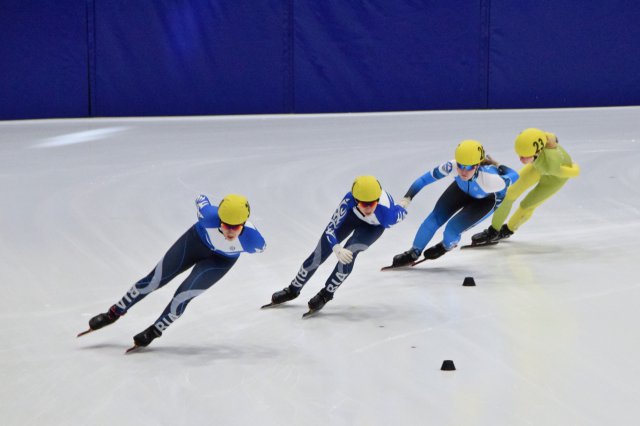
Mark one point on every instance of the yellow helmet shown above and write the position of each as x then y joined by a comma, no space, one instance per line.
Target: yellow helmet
234,209
530,142
366,188
469,152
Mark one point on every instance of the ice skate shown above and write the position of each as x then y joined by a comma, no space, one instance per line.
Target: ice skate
487,236
284,295
403,259
434,252
102,320
144,338
317,302
505,232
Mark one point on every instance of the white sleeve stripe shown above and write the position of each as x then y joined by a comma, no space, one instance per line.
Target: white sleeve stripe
490,182
384,199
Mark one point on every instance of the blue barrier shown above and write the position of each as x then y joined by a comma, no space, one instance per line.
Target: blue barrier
83,58
43,59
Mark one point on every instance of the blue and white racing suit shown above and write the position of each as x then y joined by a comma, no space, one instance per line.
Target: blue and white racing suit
348,219
463,204
205,248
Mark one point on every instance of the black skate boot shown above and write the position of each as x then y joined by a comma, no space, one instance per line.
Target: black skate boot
103,320
143,339
487,236
434,252
284,295
318,301
505,232
406,258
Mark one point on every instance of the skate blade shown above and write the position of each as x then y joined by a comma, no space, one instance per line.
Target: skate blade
479,245
310,313
268,305
391,267
133,348
408,265
85,332
388,268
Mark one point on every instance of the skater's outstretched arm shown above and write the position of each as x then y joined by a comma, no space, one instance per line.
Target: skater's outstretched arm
428,178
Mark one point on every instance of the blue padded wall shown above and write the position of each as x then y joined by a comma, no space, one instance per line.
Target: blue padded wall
84,58
564,53
381,55
43,59
183,57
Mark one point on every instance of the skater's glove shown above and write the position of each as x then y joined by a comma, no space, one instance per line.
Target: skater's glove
404,203
344,256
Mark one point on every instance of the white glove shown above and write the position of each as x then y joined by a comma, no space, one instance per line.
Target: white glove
344,256
404,203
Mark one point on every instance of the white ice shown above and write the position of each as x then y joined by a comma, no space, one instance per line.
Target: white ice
549,336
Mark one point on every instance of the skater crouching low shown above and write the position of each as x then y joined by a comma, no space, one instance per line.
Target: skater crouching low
211,246
363,214
547,168
478,189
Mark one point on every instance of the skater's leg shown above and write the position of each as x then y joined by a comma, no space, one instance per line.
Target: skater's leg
451,200
183,254
474,212
204,274
529,176
363,237
547,187
321,253
187,250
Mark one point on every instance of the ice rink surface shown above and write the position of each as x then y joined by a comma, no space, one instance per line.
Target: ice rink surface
549,336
